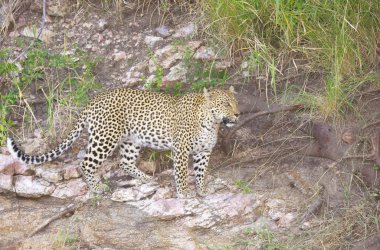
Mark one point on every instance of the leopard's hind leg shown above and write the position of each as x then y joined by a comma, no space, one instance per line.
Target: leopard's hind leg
99,148
129,154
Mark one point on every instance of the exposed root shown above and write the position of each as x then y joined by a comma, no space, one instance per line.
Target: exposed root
232,161
326,144
312,209
226,142
67,211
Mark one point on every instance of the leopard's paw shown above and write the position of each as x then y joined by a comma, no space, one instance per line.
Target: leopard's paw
187,194
100,188
205,191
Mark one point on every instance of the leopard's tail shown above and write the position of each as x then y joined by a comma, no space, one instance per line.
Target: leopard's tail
16,152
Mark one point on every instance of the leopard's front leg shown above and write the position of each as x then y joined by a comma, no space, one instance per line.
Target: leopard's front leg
200,163
181,156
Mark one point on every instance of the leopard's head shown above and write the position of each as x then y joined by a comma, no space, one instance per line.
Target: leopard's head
223,105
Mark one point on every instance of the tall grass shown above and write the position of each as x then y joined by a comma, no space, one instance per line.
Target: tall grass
337,37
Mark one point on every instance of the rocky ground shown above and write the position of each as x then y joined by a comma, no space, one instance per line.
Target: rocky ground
271,188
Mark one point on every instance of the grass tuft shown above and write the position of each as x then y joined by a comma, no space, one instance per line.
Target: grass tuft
337,38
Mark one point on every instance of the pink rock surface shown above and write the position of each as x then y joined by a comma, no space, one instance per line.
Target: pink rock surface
30,186
10,166
71,188
6,182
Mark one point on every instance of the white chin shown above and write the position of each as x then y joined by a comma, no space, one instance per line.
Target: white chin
230,125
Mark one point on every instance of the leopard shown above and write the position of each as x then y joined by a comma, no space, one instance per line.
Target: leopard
133,119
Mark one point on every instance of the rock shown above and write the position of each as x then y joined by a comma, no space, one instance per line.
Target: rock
194,45
205,213
120,226
58,8
263,223
170,60
46,35
276,209
219,208
165,52
7,164
23,169
166,57
168,208
70,188
163,31
205,54
6,182
151,41
169,55
102,25
29,186
223,65
14,34
10,166
119,56
186,31
81,154
134,193
72,171
130,183
49,173
177,73
34,145
164,193
131,82
286,220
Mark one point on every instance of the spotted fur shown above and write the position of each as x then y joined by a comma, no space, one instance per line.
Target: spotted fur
135,119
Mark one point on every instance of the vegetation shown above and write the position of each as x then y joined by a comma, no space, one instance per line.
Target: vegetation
243,185
199,76
62,79
337,38
65,238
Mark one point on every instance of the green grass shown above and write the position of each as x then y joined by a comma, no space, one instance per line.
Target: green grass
337,38
63,80
243,185
64,238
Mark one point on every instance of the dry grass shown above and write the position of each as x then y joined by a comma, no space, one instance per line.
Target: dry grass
353,224
8,10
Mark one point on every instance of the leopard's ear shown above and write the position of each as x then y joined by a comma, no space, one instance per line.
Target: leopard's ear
206,94
232,89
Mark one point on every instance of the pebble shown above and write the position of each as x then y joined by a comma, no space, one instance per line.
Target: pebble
186,31
163,31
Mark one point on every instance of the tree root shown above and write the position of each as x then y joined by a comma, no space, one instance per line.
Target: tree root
312,209
327,144
67,211
226,141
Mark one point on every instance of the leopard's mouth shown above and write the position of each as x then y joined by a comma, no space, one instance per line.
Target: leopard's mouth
228,122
